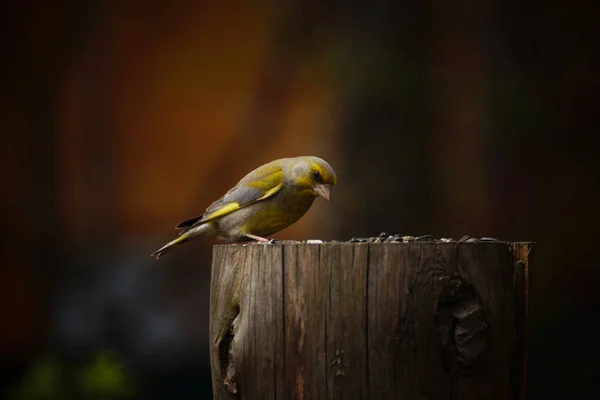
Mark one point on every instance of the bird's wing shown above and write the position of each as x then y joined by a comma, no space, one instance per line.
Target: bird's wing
258,185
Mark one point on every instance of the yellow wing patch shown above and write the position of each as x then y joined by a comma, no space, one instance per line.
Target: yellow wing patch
226,209
268,181
271,192
266,178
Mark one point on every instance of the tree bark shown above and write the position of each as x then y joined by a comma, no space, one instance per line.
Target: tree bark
419,320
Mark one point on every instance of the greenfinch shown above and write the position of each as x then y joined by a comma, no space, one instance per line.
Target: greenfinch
267,200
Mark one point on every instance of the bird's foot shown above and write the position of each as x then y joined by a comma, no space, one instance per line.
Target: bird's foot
260,239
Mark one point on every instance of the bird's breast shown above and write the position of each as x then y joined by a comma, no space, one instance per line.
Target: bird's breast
277,214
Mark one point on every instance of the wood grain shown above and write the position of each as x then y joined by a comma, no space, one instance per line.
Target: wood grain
426,320
405,281
346,320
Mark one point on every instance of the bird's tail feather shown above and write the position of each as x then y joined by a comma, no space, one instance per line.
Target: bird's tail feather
183,237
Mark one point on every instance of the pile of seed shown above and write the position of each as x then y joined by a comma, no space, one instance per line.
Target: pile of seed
398,238
387,238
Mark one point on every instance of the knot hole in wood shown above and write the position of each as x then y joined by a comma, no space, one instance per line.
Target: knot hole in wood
462,327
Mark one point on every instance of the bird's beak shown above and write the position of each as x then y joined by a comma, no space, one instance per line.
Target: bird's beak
324,191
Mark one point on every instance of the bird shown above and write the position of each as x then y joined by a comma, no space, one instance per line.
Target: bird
265,201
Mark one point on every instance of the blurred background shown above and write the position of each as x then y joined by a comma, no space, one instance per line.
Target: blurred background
120,119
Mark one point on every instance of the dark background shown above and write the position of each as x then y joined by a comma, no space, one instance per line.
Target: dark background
120,119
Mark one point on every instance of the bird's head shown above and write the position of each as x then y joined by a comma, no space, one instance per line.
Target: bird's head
314,175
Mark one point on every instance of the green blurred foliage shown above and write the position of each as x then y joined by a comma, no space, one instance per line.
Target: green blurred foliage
103,377
41,381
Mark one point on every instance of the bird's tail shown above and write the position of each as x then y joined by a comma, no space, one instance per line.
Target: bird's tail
183,237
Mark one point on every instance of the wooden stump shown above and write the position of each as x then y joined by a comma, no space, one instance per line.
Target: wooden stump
419,320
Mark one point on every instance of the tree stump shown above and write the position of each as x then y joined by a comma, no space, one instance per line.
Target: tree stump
416,320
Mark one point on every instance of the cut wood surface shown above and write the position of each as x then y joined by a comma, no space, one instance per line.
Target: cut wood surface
418,320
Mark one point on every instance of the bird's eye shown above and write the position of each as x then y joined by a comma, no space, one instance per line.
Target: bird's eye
317,175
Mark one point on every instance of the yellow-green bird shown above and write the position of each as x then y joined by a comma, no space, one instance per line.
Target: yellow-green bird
267,200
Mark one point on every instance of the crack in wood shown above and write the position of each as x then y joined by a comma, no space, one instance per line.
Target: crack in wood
225,350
